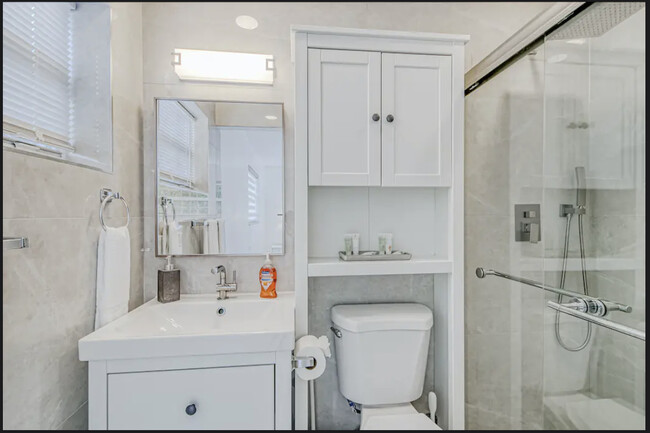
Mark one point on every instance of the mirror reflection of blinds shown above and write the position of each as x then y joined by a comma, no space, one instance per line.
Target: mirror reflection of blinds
37,80
176,143
253,190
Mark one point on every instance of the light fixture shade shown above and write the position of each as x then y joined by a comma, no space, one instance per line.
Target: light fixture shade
223,66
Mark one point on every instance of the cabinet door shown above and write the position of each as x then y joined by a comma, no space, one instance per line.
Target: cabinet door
229,398
416,120
344,140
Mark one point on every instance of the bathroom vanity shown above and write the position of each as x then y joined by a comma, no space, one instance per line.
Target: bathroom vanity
198,363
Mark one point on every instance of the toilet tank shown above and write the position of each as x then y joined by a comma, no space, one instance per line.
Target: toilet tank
381,354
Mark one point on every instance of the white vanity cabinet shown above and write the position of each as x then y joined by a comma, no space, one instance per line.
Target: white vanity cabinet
379,118
198,363
224,398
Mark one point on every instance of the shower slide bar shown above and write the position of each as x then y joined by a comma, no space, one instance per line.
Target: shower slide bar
635,333
594,306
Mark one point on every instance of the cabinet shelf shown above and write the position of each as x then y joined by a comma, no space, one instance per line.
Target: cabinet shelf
333,266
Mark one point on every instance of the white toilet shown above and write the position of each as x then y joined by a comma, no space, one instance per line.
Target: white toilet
381,356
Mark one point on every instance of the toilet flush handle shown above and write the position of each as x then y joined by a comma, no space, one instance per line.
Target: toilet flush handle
336,332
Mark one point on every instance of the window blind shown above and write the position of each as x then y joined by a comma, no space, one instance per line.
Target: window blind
37,72
176,143
253,180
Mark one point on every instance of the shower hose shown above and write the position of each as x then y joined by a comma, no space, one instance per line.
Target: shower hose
585,285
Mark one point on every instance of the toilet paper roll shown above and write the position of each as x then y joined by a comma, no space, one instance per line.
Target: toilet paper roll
317,348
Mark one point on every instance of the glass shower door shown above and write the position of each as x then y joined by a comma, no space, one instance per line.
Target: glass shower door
594,216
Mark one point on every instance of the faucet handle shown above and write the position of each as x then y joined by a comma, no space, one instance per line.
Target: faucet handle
234,277
218,269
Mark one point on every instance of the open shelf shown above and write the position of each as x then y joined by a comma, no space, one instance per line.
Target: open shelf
333,266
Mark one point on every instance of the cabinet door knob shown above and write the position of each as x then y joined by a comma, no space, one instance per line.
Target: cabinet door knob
389,118
190,409
375,117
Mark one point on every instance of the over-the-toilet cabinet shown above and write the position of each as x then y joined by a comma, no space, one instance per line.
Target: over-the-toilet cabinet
379,118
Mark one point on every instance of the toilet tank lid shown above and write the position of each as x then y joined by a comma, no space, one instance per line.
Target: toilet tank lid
382,317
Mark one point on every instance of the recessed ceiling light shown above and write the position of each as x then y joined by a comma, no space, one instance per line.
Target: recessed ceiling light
246,22
576,41
557,58
272,117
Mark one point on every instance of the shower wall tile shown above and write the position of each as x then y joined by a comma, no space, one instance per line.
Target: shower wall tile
49,288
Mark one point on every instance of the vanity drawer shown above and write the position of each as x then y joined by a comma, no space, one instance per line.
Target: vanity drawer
224,399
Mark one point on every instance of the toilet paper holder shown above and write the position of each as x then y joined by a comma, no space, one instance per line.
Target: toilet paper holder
303,361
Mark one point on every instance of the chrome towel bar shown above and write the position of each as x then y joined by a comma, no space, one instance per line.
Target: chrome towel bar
609,305
636,333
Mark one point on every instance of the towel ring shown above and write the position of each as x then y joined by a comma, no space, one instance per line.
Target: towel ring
101,211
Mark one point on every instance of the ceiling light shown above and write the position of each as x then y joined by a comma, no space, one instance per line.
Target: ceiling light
272,117
576,41
246,22
223,66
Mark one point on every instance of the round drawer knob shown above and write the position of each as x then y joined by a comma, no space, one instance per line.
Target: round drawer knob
375,117
190,409
389,118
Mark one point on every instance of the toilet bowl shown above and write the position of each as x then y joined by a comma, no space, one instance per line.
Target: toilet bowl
381,356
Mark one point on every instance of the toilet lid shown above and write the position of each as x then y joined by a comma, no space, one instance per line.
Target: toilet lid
400,422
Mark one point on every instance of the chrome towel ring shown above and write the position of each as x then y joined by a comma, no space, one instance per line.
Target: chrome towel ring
106,196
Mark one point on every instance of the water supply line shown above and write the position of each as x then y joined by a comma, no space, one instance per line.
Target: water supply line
568,211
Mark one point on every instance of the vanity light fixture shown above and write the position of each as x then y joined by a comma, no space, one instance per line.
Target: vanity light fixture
223,66
246,22
270,117
576,41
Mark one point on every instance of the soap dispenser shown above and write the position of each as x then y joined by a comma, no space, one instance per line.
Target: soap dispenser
169,283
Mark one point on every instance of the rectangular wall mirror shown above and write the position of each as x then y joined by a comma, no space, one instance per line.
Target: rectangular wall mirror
219,178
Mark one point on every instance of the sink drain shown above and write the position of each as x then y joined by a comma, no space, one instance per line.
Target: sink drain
221,311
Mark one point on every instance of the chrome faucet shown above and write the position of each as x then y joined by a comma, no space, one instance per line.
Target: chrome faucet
222,286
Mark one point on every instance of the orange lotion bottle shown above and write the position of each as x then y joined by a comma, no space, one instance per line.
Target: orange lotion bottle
268,277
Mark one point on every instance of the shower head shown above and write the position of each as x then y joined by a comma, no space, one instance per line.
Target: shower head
596,20
581,188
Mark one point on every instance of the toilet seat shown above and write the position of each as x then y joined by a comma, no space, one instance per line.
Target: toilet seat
395,417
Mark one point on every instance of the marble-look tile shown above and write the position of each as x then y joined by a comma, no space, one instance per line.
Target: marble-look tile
49,288
76,421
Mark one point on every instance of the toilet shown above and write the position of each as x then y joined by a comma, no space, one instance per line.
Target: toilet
381,357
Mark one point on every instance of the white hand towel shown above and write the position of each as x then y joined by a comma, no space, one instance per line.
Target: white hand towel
113,275
175,238
213,230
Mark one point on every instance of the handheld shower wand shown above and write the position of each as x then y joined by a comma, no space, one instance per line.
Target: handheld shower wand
567,211
581,188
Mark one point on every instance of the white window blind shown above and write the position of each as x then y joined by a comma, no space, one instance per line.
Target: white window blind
253,187
37,72
176,143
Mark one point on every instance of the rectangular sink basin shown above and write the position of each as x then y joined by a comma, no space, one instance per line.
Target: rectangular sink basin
196,325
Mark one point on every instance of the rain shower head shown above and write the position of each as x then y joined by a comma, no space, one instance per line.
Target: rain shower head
596,20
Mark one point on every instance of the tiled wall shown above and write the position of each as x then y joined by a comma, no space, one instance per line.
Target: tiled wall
503,321
49,288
